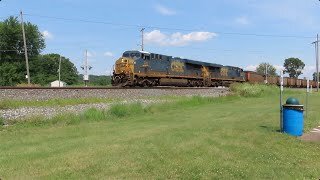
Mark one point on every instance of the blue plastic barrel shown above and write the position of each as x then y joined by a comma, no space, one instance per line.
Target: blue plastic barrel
293,119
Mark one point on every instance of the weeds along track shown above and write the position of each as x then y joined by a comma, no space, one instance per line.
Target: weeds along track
46,93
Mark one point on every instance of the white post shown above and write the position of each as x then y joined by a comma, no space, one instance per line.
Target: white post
281,108
59,71
307,94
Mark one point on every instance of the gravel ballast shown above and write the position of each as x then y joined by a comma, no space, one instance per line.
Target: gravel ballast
45,94
127,96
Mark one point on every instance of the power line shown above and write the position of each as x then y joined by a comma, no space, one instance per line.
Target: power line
167,28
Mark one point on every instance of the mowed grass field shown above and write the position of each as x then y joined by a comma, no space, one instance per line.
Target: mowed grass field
225,138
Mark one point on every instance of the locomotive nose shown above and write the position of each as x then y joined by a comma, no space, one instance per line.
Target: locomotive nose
123,65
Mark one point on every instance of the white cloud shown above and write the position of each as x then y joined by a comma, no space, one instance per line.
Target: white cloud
164,10
108,54
242,20
47,35
176,39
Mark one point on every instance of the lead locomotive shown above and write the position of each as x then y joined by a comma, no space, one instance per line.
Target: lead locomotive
140,68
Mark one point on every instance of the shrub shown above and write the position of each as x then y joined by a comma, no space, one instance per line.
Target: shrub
1,121
122,110
252,90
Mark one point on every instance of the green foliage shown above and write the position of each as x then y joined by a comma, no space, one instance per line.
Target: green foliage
294,67
314,76
11,39
94,114
45,69
10,73
12,62
96,80
261,69
122,110
252,90
1,121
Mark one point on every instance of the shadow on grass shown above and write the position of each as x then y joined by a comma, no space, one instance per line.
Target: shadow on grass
270,128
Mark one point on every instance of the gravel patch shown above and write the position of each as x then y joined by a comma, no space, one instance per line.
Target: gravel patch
49,112
45,94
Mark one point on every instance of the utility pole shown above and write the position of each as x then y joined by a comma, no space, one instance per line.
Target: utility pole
59,70
266,73
25,48
86,67
86,78
316,44
142,48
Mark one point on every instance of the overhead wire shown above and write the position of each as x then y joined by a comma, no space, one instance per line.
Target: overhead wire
168,28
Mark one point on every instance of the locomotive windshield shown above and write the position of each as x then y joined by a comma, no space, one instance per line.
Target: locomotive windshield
132,54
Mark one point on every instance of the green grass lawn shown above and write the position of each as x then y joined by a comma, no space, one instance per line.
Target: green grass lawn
225,138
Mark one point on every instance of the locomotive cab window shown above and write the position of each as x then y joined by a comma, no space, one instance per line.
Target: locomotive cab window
135,55
126,55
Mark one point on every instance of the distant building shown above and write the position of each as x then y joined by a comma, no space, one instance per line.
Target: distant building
56,84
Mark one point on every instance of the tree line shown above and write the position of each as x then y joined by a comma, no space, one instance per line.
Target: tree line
43,67
292,66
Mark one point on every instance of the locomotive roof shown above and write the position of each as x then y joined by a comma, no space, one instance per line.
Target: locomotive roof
186,60
233,67
202,63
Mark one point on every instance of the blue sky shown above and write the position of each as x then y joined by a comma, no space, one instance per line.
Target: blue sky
207,30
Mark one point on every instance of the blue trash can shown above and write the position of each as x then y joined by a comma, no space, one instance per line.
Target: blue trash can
293,118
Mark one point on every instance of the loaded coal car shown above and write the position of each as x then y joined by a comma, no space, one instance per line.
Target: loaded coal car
291,82
140,68
254,77
274,80
298,83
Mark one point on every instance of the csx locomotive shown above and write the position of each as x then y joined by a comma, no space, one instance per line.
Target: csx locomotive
140,68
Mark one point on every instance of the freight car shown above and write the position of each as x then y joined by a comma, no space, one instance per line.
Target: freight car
253,77
140,68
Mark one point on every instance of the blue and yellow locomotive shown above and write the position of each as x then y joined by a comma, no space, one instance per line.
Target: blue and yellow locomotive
140,68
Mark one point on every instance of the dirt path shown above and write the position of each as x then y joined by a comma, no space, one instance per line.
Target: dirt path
312,136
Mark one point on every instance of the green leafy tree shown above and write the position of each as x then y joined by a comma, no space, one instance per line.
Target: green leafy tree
294,67
12,62
45,69
97,80
261,69
314,75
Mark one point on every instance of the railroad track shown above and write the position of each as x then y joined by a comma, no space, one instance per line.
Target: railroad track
92,87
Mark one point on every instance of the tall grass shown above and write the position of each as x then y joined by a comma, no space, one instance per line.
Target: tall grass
253,90
1,121
122,110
